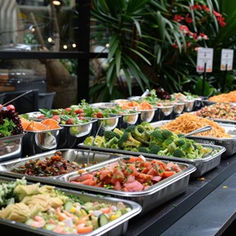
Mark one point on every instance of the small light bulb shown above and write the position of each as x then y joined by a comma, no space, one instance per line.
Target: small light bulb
73,45
49,39
65,47
107,45
56,2
33,30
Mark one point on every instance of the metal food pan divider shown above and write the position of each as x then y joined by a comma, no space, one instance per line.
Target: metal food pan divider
203,165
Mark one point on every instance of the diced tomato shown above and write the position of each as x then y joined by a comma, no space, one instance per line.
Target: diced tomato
132,159
152,172
117,186
84,177
167,174
90,182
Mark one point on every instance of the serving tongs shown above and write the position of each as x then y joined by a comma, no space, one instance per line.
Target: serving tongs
200,130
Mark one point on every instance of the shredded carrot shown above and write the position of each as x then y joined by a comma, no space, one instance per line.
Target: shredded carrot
187,123
224,97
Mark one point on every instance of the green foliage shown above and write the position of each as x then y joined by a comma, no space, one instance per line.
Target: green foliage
147,47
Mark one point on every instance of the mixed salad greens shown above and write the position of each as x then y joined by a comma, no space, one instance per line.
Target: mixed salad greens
144,138
47,208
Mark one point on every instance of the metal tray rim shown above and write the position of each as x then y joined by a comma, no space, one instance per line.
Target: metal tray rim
202,137
155,188
136,209
191,161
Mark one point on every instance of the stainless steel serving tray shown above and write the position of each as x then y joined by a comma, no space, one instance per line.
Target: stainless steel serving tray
76,155
11,147
203,165
228,143
114,228
152,197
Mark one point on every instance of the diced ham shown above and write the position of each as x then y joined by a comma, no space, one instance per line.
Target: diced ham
130,179
134,186
156,178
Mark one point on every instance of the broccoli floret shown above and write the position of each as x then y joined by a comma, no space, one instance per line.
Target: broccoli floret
114,146
127,140
118,131
154,148
130,128
180,142
143,149
140,134
131,149
112,141
110,134
171,147
89,141
147,126
156,137
180,135
187,147
167,142
166,133
178,153
164,152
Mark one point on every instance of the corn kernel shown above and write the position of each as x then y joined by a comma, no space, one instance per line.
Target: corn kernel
114,217
72,210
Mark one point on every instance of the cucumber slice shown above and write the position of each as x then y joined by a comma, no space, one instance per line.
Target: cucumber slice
68,206
50,226
84,211
102,220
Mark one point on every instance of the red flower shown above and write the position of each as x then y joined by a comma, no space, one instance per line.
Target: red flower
204,36
188,44
193,35
221,21
217,14
184,28
196,6
174,45
188,19
178,18
205,8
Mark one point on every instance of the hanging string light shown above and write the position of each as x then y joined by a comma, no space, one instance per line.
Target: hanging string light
56,2
74,45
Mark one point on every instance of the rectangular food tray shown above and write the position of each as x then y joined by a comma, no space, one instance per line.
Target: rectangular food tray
75,155
10,147
152,197
228,143
114,228
203,165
